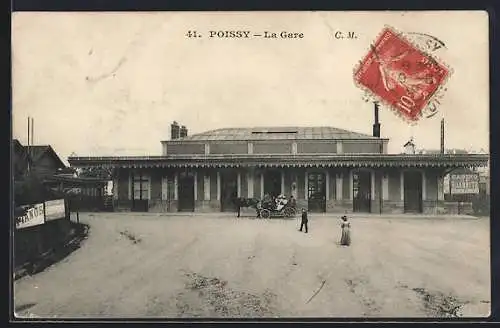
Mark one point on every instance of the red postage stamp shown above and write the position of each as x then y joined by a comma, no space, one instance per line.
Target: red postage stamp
400,75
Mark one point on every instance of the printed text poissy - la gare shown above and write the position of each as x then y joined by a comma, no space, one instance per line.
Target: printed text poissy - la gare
237,34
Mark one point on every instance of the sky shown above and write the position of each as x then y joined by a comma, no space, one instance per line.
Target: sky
107,84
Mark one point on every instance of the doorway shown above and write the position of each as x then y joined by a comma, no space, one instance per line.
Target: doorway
361,191
316,192
413,192
229,191
140,192
272,182
186,192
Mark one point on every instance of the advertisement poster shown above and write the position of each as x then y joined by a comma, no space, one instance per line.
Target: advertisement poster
464,184
54,209
29,215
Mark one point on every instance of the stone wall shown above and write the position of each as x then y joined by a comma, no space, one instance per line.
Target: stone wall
316,147
339,206
185,149
393,207
464,208
228,148
362,147
159,206
282,147
207,206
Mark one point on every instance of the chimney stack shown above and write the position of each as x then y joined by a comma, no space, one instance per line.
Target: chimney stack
376,124
174,131
183,132
442,136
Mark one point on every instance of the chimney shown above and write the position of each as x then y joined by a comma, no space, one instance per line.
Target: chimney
183,132
442,136
174,131
376,124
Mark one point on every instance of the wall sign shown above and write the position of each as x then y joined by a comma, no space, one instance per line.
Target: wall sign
32,215
55,209
464,183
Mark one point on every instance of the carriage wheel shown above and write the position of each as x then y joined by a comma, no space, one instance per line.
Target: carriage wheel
289,212
265,214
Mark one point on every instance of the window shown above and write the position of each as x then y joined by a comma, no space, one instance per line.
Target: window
316,185
140,186
355,185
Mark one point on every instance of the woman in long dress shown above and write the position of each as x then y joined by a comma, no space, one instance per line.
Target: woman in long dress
345,239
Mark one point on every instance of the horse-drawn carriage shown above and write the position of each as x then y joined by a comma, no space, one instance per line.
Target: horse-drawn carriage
268,207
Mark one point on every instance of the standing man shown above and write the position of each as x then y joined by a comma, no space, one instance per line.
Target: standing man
304,220
238,205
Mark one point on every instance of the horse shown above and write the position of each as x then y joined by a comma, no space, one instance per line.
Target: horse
240,202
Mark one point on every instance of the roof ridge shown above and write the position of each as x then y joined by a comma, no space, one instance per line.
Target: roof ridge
230,131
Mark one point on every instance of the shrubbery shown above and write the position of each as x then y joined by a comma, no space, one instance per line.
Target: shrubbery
30,190
481,204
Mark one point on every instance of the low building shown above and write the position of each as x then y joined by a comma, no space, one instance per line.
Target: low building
43,163
325,169
41,160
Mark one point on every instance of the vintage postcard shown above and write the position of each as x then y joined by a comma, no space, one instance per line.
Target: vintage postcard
251,164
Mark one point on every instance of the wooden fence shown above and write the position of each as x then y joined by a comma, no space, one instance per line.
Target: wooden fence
38,228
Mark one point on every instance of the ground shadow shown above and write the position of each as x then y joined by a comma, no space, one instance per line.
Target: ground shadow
54,255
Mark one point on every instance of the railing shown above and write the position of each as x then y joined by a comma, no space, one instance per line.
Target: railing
82,203
475,204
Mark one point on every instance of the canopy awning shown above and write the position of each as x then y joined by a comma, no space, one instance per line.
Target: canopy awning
76,180
341,160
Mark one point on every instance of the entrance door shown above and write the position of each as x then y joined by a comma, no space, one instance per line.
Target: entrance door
413,192
186,193
272,182
361,191
316,192
140,193
229,191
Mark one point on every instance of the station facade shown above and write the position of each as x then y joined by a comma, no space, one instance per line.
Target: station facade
325,169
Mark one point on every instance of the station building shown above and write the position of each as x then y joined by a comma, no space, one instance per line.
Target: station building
325,169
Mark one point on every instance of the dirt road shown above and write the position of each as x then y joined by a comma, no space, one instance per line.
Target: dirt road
210,266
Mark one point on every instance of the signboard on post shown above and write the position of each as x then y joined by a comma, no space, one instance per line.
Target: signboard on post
464,183
55,209
29,215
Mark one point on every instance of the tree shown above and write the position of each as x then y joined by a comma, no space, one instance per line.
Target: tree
103,173
30,190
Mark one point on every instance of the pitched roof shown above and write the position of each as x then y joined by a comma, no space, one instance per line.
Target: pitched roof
37,152
18,147
277,133
447,151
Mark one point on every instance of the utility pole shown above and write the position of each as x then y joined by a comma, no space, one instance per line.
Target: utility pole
28,146
31,131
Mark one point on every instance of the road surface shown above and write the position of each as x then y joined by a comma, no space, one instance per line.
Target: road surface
210,265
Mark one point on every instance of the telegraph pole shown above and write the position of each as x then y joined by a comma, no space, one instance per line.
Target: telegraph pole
28,146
